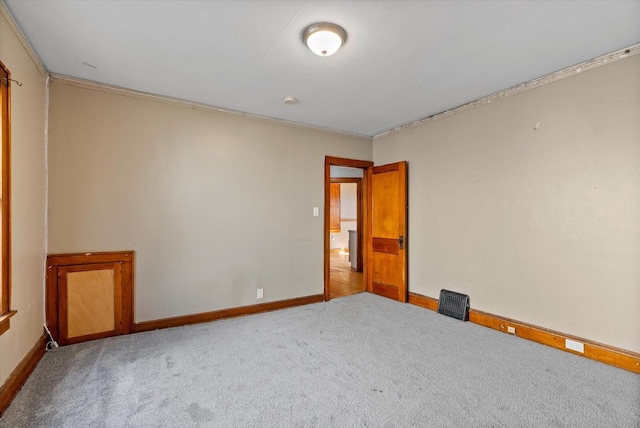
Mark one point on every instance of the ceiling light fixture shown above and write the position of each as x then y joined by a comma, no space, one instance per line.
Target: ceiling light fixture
324,38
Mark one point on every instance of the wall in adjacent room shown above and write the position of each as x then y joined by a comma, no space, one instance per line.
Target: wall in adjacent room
540,225
348,211
348,196
27,197
215,205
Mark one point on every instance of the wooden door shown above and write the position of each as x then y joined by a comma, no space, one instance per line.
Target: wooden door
388,231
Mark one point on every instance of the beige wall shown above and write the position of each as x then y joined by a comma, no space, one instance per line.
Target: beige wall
538,225
215,205
28,199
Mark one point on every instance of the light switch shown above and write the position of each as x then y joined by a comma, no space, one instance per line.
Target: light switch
316,211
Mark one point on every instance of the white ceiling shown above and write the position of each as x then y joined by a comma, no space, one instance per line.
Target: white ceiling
403,60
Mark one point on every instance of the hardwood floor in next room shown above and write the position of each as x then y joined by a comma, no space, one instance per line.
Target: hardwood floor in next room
345,281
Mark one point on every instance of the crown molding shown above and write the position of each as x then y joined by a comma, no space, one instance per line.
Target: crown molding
552,77
87,84
23,40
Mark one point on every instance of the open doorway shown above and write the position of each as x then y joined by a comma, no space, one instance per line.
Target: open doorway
345,241
345,226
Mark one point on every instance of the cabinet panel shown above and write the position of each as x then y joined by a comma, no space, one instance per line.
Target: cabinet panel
90,302
92,299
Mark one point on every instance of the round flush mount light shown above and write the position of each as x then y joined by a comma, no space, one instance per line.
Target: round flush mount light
289,100
324,38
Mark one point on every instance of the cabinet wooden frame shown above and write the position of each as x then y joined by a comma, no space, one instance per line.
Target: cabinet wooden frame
335,216
59,265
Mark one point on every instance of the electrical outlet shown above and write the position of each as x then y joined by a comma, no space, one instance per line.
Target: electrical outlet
260,293
574,346
511,330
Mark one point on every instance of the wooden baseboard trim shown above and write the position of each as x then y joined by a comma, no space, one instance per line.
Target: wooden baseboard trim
423,301
613,356
225,313
21,373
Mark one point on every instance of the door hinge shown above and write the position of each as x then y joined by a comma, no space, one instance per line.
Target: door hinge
401,242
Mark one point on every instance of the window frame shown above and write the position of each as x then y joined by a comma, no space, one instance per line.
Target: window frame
5,245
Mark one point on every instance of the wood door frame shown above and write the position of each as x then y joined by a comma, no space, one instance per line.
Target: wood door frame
365,200
360,233
5,218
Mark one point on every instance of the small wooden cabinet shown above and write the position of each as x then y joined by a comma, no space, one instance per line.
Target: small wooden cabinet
334,208
89,295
